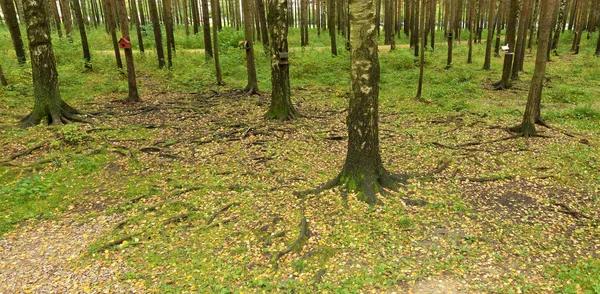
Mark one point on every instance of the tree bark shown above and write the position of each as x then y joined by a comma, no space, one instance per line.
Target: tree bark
215,15
532,110
505,82
48,103
470,20
2,77
10,15
84,42
281,107
57,23
252,87
423,40
331,25
490,36
133,92
168,17
66,16
157,33
560,24
206,30
110,19
521,40
260,6
137,25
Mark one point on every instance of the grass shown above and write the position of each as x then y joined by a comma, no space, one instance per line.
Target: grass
80,173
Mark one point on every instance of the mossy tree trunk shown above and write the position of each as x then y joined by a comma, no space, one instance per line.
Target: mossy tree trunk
281,107
48,103
157,33
168,17
81,25
331,25
133,92
2,77
532,110
363,171
252,87
490,35
10,16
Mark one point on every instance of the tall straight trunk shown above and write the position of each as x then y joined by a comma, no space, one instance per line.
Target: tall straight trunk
533,23
138,29
387,22
217,13
84,42
318,16
378,17
573,13
423,39
407,20
215,31
580,25
84,11
66,16
470,20
260,6
56,16
521,39
110,19
131,81
196,16
415,28
505,81
331,25
304,23
10,15
252,87
19,7
598,47
432,18
48,102
490,35
499,21
206,30
281,107
560,24
186,22
157,33
142,14
532,110
168,17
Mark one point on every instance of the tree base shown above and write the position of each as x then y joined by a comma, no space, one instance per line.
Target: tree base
501,85
61,116
366,186
526,130
251,90
288,113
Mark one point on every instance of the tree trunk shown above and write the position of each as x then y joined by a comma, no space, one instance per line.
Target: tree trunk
84,42
110,19
281,104
598,47
450,41
157,33
168,17
499,21
137,25
532,110
66,16
54,11
260,6
490,36
521,40
48,103
505,82
186,22
2,77
560,24
471,10
206,30
252,87
215,15
133,92
423,39
10,15
580,25
331,25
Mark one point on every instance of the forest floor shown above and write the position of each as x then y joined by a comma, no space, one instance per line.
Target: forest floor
192,190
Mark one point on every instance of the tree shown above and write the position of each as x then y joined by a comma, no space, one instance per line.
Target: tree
3,78
66,16
168,20
331,25
281,104
490,36
532,110
519,56
48,103
208,52
252,87
215,15
133,92
81,25
136,20
10,16
423,40
363,171
110,19
260,7
598,47
157,34
505,82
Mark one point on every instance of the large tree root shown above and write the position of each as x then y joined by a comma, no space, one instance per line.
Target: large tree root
296,245
249,91
501,85
65,114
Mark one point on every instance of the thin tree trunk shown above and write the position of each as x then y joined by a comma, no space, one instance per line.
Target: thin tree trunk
471,10
110,19
331,25
66,16
499,21
55,14
133,92
206,30
168,17
521,40
532,110
423,38
505,82
10,15
137,25
490,36
215,31
157,33
252,87
186,22
2,77
260,6
84,42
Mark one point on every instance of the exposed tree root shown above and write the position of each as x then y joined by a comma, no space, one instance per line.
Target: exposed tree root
501,85
177,219
296,245
249,91
217,213
269,240
318,279
567,210
27,151
282,115
65,114
115,243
